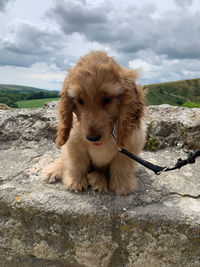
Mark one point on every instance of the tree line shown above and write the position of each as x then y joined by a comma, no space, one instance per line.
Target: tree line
10,97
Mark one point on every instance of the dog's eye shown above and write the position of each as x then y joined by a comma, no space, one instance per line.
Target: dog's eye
80,101
106,100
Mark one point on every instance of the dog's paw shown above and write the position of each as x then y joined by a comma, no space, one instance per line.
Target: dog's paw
53,173
72,184
98,181
123,186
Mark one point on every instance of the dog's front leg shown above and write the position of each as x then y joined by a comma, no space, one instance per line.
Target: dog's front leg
76,167
122,175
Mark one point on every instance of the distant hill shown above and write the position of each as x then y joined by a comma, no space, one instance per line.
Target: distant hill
23,88
174,93
10,94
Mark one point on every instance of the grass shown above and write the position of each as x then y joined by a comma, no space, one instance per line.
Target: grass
191,105
35,103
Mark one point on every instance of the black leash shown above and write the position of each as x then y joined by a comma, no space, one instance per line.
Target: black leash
156,168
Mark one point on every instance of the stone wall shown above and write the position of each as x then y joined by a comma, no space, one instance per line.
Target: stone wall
42,224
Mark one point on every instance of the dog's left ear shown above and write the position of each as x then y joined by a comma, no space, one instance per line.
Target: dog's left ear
131,106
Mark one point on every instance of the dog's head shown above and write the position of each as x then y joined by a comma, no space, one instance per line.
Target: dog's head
102,94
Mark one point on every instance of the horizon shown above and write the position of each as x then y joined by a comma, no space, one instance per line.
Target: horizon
6,84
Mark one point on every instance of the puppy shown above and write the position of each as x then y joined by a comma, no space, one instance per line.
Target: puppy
99,95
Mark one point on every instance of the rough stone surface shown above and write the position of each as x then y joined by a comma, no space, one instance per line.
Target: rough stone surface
174,126
4,106
42,224
26,127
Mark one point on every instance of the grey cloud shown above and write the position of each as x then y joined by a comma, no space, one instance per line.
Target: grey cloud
77,16
28,39
9,58
27,44
180,38
130,29
105,23
3,4
183,3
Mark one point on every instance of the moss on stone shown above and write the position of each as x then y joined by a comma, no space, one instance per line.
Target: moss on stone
152,144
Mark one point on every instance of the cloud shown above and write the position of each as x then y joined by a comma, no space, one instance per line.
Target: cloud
179,38
77,15
3,4
39,75
160,68
29,39
183,3
28,43
121,28
104,21
83,17
165,44
128,28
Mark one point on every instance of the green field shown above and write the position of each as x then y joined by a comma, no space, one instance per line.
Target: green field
35,103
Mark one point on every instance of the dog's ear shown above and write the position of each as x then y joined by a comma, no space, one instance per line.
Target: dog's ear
65,115
131,106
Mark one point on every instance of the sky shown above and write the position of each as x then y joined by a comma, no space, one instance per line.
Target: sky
41,39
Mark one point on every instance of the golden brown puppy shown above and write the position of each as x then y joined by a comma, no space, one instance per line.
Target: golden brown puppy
97,95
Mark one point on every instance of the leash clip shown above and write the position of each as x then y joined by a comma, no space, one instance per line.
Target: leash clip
160,172
115,138
113,135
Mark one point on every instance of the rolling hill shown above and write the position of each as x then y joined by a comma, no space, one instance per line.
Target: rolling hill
174,93
18,87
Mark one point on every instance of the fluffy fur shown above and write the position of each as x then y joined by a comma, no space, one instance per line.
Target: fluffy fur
97,95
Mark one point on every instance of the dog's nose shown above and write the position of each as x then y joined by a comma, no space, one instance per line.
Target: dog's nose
93,138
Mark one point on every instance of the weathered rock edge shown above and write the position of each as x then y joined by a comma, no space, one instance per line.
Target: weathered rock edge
42,224
170,125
